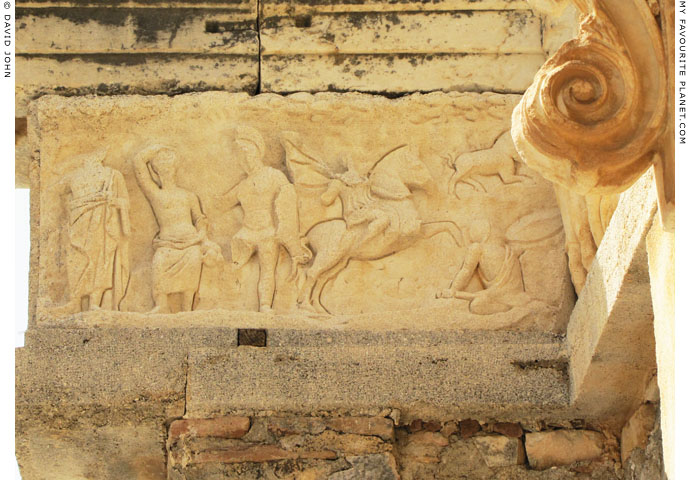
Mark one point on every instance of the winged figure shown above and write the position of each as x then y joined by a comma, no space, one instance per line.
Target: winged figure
351,215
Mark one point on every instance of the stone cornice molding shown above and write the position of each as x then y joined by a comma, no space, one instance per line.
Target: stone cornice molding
593,117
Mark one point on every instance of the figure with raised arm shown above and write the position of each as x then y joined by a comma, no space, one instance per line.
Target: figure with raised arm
181,244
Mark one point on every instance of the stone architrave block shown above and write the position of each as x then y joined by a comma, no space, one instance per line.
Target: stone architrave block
399,73
88,48
399,47
379,213
273,8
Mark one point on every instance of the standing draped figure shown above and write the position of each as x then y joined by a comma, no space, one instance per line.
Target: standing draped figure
99,230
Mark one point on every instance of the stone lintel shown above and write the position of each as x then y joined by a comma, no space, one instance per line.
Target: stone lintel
507,380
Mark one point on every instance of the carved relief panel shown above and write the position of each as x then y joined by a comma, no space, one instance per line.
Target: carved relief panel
324,210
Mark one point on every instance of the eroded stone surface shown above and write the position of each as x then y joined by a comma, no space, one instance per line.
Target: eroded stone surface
562,447
368,467
265,204
500,451
457,378
637,430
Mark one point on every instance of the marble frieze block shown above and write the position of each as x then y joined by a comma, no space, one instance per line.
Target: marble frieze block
305,211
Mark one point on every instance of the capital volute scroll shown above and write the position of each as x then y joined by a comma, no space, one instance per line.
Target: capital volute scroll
592,119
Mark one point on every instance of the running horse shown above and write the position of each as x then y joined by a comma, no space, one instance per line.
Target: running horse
386,190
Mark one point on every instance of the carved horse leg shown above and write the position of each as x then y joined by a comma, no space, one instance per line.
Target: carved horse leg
474,183
323,280
330,243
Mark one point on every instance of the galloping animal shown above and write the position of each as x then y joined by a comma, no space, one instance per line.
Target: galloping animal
499,160
379,216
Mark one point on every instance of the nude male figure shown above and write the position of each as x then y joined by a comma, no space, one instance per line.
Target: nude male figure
497,267
181,244
269,203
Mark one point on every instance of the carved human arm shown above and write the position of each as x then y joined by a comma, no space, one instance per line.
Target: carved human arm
469,265
230,198
142,173
212,254
332,192
198,217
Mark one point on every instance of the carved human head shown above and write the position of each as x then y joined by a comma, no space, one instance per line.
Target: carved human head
251,143
163,164
479,230
350,176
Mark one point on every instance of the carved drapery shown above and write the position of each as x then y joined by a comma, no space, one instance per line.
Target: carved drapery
593,117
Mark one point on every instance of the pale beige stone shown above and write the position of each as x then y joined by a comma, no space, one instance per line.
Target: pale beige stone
562,447
550,7
306,219
116,74
181,246
128,30
559,27
113,451
399,72
637,430
301,7
500,451
611,329
585,219
511,31
661,257
593,117
99,231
